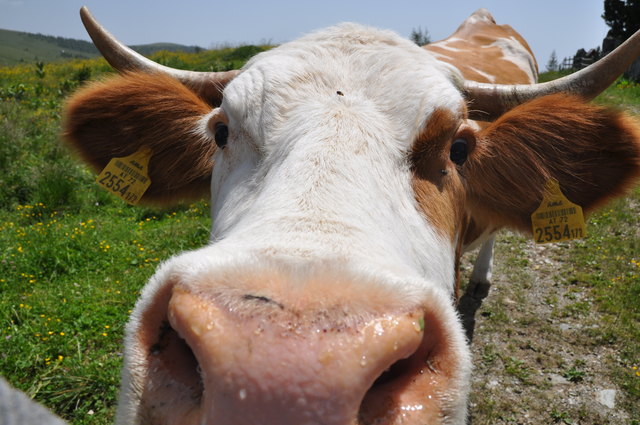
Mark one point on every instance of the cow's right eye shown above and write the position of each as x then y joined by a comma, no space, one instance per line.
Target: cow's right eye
459,151
221,135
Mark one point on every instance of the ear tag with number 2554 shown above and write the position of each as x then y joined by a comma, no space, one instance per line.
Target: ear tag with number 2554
127,177
557,219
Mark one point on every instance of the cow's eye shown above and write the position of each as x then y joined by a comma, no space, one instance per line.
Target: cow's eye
221,135
459,151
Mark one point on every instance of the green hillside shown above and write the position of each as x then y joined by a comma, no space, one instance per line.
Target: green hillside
21,47
148,49
24,48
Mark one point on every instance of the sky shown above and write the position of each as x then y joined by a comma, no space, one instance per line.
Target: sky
547,25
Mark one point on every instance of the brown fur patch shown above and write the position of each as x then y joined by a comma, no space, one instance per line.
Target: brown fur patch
439,195
473,40
116,117
594,153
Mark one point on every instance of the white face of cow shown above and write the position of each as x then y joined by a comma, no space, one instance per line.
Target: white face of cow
326,294
317,164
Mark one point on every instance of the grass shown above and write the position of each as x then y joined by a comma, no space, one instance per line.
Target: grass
600,276
69,280
609,266
73,259
574,374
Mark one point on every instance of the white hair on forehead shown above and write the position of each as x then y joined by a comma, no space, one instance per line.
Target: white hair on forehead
404,81
324,157
355,40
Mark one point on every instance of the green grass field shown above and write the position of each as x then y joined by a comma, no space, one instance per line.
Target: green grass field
73,258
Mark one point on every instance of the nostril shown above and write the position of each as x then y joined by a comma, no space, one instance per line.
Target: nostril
174,362
415,363
393,372
414,389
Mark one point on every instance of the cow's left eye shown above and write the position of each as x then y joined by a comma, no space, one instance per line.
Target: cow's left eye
459,151
221,135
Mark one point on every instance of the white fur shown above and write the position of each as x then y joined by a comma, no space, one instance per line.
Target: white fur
321,175
483,267
514,52
444,44
480,15
491,78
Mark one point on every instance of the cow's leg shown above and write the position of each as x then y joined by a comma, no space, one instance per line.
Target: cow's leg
478,287
483,267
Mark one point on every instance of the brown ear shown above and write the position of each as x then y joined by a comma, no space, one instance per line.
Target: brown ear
594,153
118,116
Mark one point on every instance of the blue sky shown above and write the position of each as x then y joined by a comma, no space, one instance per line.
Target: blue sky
560,25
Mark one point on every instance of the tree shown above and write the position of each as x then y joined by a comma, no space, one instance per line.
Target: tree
552,65
623,17
420,37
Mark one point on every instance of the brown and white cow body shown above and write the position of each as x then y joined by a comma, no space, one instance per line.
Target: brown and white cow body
349,184
488,53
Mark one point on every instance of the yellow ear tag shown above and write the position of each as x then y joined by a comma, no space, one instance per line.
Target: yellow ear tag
127,177
557,219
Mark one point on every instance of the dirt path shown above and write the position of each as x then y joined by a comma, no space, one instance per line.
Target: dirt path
538,357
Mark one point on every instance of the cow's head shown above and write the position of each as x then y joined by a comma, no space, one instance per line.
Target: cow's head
343,170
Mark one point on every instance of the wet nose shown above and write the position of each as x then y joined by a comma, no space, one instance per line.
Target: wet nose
268,365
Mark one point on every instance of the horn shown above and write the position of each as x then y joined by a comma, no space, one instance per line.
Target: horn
489,101
208,85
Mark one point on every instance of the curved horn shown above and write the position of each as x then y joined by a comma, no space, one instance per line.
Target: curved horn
207,85
489,101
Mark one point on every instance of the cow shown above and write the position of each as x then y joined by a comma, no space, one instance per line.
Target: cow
348,171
